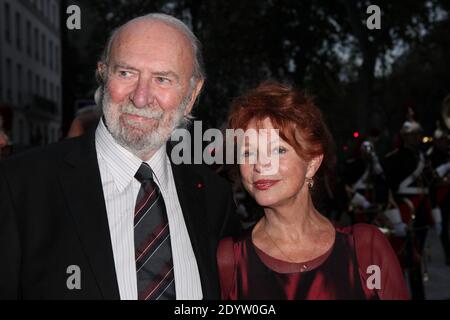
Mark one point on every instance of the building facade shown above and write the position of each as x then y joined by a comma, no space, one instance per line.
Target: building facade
30,70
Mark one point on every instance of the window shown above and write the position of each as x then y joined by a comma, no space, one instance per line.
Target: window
28,38
29,84
36,44
20,133
8,77
57,93
7,23
19,84
57,59
52,92
1,80
44,87
54,14
18,31
46,3
43,51
50,54
38,85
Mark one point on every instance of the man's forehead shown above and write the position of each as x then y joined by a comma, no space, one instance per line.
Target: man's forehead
150,30
153,39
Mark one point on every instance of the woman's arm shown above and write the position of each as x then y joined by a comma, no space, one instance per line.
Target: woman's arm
379,266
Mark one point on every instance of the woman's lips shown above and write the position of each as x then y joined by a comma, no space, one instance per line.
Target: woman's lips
264,184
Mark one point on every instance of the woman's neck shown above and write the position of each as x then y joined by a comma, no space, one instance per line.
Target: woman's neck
294,221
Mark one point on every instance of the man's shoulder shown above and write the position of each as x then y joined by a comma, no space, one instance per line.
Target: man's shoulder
41,157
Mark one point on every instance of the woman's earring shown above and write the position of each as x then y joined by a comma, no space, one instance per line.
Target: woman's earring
309,182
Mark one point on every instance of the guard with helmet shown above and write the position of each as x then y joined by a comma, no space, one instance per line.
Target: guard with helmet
409,177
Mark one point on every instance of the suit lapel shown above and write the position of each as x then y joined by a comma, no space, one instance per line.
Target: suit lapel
81,183
190,187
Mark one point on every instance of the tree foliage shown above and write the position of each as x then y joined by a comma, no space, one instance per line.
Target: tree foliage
321,46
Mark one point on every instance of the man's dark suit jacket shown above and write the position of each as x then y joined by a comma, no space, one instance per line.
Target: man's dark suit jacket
53,215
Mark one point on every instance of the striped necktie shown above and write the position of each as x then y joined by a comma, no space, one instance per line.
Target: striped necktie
154,264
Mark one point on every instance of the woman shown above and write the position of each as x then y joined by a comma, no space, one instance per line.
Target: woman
293,252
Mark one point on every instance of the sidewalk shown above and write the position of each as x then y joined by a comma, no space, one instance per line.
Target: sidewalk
438,285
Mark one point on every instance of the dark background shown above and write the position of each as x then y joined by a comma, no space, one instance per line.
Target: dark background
363,80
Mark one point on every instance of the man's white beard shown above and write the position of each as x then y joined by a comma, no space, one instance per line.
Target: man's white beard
133,136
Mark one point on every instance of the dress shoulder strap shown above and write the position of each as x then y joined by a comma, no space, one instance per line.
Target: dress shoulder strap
226,265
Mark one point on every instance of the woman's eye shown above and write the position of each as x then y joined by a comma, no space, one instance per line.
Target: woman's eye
280,150
247,153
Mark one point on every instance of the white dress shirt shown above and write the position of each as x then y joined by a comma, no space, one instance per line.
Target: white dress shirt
117,169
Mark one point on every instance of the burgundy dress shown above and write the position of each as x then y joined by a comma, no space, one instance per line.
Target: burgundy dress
344,272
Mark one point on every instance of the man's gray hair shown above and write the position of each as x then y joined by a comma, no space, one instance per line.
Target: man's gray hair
199,70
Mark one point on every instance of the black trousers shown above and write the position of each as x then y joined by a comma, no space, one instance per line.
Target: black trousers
417,243
445,209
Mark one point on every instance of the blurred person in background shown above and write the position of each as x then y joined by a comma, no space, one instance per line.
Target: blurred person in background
409,177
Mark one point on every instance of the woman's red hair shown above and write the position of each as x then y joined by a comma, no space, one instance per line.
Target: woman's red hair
299,121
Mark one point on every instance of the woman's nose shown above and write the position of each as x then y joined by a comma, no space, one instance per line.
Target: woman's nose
262,162
267,164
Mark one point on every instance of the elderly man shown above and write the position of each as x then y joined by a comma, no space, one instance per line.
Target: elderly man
107,215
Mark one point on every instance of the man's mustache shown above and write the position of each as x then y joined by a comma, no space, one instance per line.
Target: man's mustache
146,112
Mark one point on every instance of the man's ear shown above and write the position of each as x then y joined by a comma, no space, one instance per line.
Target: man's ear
314,165
101,70
197,89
